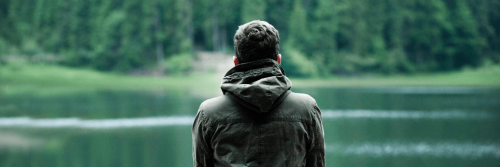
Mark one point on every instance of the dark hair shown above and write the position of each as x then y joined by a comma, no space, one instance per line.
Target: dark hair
256,40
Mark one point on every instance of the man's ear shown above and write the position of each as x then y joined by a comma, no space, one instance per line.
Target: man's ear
279,59
235,60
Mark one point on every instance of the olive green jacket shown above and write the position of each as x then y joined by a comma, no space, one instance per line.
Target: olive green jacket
258,122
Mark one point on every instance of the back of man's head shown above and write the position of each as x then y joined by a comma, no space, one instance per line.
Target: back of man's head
256,40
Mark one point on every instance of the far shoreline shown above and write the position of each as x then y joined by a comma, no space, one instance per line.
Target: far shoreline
53,79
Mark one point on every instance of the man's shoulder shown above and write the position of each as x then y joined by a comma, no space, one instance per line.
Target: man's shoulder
301,98
295,107
219,102
299,105
216,107
215,102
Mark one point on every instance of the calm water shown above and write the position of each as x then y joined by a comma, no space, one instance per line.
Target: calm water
408,126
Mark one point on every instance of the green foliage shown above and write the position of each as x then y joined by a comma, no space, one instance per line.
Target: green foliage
106,35
4,47
396,60
466,38
297,64
30,48
179,64
298,30
78,58
338,36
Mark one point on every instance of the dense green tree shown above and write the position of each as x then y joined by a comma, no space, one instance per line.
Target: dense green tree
278,15
466,39
339,36
299,34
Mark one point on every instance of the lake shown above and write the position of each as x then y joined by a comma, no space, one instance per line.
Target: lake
401,126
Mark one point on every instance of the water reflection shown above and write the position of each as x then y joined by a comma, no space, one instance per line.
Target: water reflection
380,114
428,90
363,127
188,120
96,124
469,150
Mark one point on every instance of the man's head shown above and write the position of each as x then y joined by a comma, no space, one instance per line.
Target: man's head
256,40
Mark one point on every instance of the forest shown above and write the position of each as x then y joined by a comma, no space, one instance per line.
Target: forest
317,37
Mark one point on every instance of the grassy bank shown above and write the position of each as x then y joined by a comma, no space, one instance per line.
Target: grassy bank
49,79
45,79
482,77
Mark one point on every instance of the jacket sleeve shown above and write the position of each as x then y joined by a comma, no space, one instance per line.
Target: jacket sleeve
202,151
315,156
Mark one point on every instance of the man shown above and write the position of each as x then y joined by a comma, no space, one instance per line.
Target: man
258,121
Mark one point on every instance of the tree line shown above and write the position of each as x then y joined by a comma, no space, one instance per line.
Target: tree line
319,37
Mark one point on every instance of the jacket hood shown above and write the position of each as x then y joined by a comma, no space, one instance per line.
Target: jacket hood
258,85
